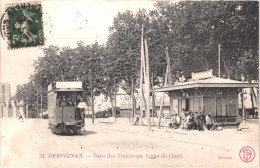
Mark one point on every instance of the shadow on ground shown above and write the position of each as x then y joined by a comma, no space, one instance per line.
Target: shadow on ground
105,122
81,133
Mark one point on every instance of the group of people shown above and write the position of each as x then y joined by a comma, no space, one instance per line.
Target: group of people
65,101
192,121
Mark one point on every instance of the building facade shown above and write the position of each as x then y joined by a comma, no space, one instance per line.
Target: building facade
5,91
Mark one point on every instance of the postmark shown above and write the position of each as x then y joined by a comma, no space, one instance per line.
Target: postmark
247,154
22,25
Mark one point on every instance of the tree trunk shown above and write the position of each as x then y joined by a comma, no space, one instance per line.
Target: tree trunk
144,101
252,99
162,99
89,103
115,98
226,68
255,96
243,106
132,95
92,97
112,105
153,102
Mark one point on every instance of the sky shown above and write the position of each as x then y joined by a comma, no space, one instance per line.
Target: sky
65,23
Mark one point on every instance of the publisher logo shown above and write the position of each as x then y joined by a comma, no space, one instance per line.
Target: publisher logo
247,154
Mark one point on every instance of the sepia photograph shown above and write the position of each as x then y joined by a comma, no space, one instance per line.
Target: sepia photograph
128,83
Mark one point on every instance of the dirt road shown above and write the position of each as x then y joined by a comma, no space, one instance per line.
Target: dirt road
109,144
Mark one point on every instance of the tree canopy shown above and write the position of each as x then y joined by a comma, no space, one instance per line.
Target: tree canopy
184,35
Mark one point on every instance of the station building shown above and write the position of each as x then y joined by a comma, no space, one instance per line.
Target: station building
206,93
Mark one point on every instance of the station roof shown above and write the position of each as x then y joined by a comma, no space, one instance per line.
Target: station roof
213,82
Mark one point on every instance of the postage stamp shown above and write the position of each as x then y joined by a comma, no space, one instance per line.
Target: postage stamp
22,25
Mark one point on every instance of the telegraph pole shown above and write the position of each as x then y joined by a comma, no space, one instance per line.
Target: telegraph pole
37,111
132,93
147,84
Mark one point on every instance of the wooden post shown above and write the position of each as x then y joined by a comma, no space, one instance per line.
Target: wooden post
147,85
171,104
243,105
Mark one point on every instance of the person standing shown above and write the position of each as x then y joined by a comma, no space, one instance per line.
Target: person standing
21,113
82,107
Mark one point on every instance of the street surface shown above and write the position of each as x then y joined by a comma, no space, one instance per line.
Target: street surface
108,144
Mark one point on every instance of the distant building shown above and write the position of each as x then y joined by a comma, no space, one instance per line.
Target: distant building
5,91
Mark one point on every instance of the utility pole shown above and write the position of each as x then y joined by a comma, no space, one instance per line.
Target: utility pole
141,92
219,60
142,76
153,101
27,108
132,94
147,84
41,103
37,111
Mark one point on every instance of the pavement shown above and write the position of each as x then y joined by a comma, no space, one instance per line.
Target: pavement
110,143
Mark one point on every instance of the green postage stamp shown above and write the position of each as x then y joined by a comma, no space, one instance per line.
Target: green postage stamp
24,25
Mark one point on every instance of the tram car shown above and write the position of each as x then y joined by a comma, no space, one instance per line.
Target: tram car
63,115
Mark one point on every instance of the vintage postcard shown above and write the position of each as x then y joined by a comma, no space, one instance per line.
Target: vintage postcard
127,83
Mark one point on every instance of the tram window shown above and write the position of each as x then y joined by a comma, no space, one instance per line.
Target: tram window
66,99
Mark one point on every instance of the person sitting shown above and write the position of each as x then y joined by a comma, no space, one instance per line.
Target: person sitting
185,119
199,121
191,125
63,101
69,102
210,122
176,121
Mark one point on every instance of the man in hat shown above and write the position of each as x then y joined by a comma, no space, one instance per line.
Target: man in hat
210,122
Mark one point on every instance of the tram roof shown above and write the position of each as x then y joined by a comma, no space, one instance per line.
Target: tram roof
66,86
